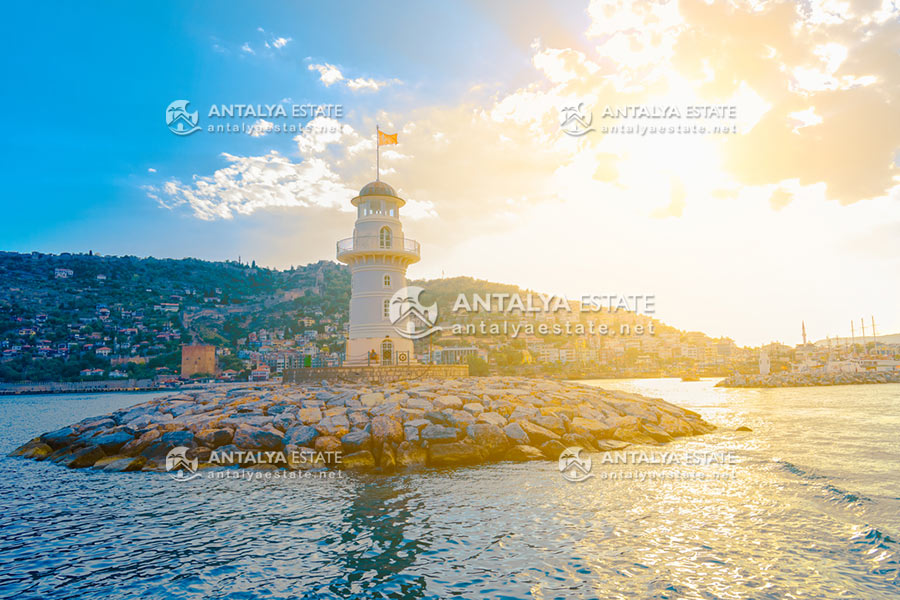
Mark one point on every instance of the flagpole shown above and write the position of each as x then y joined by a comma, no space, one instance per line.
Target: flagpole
377,156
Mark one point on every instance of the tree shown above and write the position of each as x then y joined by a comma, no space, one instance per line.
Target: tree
477,366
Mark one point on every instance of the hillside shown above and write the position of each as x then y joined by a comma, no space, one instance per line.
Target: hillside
82,317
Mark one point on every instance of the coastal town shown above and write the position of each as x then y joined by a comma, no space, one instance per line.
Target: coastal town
106,319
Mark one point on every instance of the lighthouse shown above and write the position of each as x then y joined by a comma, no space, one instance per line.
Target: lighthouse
378,255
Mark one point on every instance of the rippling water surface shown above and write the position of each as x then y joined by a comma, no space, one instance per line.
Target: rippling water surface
811,510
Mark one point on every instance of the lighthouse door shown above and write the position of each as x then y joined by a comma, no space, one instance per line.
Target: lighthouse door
387,352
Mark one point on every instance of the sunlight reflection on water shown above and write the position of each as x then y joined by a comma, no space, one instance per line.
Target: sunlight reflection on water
812,511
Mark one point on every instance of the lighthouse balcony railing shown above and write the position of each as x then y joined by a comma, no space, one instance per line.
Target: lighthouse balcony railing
375,243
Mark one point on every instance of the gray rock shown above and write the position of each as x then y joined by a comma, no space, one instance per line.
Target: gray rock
492,418
523,452
84,457
410,434
110,443
178,438
213,438
537,434
490,437
449,401
454,454
438,434
356,441
300,435
516,434
419,404
249,437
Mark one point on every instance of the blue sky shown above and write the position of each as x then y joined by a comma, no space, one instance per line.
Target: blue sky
763,223
96,78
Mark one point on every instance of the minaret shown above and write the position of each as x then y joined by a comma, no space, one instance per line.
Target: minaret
803,325
378,255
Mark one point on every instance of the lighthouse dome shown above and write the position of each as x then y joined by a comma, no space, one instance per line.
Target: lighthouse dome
377,188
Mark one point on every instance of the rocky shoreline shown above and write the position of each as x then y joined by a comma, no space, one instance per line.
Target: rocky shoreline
407,424
807,379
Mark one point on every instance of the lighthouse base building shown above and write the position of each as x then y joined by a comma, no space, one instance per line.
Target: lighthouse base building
378,255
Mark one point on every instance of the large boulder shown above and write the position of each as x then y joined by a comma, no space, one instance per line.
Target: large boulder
249,437
85,457
537,434
356,441
454,453
551,422
358,461
458,418
177,438
411,434
372,399
138,445
213,438
490,437
438,434
552,449
473,408
656,432
419,404
516,434
309,416
577,439
593,428
411,456
387,459
121,463
300,435
524,412
110,443
59,438
492,418
386,429
335,425
443,402
523,452
327,443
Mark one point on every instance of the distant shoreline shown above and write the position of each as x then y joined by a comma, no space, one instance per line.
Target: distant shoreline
38,389
783,380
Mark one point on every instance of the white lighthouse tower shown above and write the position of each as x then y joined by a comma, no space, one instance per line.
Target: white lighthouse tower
378,255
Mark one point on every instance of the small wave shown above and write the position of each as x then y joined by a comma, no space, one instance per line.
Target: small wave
881,549
836,493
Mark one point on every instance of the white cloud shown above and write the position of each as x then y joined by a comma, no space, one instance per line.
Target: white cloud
151,170
246,48
260,128
330,74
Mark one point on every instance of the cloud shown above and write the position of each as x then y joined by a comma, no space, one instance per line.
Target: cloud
151,170
329,152
246,48
330,74
260,128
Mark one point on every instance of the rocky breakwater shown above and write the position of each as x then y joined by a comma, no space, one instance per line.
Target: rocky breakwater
808,379
400,425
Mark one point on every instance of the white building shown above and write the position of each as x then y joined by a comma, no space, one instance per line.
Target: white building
378,255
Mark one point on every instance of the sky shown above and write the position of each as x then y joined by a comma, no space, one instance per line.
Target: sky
792,215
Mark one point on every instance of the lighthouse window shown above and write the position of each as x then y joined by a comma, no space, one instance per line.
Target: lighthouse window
385,238
387,281
387,309
390,209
